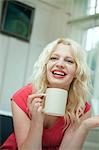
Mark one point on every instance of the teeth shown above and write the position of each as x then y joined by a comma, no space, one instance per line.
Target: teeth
58,73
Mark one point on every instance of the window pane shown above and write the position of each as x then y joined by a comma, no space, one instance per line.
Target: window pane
91,11
97,8
91,7
97,2
92,38
92,3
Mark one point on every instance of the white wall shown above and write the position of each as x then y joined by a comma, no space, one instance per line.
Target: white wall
17,57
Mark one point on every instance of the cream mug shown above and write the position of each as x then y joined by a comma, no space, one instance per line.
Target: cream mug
55,101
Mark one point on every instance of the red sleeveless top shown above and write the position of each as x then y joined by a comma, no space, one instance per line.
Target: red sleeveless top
52,137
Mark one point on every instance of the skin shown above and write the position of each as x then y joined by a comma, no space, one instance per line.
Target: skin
63,65
29,137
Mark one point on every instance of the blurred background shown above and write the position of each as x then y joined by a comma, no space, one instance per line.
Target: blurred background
76,19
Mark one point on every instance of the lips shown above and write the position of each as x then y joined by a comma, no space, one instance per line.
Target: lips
59,73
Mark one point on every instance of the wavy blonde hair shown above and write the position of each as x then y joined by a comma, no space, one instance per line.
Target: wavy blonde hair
79,88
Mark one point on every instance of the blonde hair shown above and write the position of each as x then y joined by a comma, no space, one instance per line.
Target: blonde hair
79,87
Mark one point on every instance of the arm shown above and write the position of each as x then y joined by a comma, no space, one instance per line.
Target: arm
75,136
28,132
81,133
78,138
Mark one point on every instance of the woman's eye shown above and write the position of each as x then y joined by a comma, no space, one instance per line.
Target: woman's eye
70,61
53,58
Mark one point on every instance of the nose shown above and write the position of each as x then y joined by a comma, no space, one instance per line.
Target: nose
60,64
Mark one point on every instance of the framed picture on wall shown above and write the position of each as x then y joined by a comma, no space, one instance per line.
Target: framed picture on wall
17,19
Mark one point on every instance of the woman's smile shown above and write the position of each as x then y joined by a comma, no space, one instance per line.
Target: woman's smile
58,74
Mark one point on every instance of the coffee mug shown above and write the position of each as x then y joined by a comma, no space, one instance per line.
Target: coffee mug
55,101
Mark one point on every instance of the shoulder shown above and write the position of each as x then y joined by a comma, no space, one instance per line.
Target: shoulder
87,112
27,89
23,92
87,107
20,97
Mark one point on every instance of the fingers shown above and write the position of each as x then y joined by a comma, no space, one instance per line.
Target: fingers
34,96
35,102
91,122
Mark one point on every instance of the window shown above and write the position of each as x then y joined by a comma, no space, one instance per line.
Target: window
92,38
92,48
85,29
93,7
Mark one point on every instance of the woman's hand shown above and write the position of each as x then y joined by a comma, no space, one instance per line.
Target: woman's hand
35,106
91,122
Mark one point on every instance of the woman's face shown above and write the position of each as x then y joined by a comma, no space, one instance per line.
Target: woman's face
61,67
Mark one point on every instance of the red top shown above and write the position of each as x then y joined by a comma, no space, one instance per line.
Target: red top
52,137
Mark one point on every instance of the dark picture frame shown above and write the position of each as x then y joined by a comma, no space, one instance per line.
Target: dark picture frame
17,19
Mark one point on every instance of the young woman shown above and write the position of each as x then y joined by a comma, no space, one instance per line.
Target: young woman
62,65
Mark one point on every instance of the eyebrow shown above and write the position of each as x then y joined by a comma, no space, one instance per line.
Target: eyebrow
55,54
